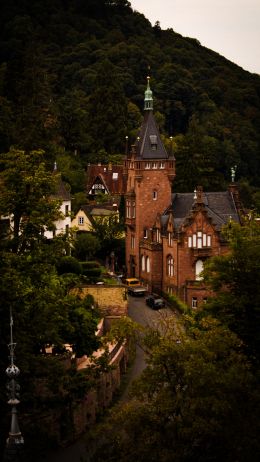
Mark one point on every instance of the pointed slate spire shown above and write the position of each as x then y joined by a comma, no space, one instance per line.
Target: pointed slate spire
148,97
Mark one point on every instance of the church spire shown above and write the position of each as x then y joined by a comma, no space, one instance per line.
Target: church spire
14,444
148,97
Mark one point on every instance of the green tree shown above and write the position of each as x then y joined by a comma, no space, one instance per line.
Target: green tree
107,110
86,246
193,402
235,279
25,197
109,231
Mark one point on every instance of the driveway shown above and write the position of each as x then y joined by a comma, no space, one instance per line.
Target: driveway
147,317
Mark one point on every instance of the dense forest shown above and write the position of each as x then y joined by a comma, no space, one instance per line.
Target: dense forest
72,78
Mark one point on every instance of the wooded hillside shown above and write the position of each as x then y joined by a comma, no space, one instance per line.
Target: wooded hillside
72,78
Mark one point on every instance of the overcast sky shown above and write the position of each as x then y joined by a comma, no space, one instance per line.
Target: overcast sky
230,27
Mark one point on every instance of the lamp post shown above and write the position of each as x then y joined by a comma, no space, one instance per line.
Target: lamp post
15,441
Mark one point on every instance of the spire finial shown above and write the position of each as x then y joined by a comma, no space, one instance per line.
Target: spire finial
148,97
15,441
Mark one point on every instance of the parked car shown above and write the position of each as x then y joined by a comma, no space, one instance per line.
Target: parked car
134,287
155,302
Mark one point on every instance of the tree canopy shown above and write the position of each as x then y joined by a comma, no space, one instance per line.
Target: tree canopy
73,74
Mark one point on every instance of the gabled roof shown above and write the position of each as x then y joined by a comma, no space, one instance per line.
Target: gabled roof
110,175
220,207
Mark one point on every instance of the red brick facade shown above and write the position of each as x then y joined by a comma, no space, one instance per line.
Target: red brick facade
169,236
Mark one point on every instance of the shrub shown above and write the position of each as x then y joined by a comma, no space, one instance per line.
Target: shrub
176,303
69,265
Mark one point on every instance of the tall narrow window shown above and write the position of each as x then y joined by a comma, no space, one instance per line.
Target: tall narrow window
198,270
170,266
66,210
128,209
148,266
194,302
133,210
132,242
199,240
81,220
158,236
155,195
143,262
170,239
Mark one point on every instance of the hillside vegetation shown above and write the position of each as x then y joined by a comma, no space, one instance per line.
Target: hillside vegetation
72,78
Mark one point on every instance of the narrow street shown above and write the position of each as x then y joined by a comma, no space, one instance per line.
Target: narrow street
142,314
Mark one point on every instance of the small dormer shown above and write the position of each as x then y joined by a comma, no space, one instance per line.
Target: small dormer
153,142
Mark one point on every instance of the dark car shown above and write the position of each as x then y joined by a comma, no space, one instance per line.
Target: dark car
155,302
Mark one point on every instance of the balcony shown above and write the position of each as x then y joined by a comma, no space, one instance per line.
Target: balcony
202,252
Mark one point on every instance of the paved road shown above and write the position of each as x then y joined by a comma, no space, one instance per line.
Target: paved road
145,316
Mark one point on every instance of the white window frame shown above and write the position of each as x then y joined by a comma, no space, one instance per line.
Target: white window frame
170,266
80,221
194,302
128,209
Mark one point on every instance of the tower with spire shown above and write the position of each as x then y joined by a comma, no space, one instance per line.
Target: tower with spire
150,171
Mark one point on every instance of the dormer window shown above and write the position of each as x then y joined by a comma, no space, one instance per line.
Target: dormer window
154,142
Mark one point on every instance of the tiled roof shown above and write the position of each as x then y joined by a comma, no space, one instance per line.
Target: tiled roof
149,133
219,206
98,210
110,175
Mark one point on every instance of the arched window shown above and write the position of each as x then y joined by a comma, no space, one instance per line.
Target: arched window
148,266
143,262
198,270
170,266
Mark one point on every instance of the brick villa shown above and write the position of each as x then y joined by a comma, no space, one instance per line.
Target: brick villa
170,235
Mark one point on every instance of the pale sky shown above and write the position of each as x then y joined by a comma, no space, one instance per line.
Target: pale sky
229,27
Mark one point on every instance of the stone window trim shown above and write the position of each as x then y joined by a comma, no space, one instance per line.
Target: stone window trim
145,264
170,265
199,240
